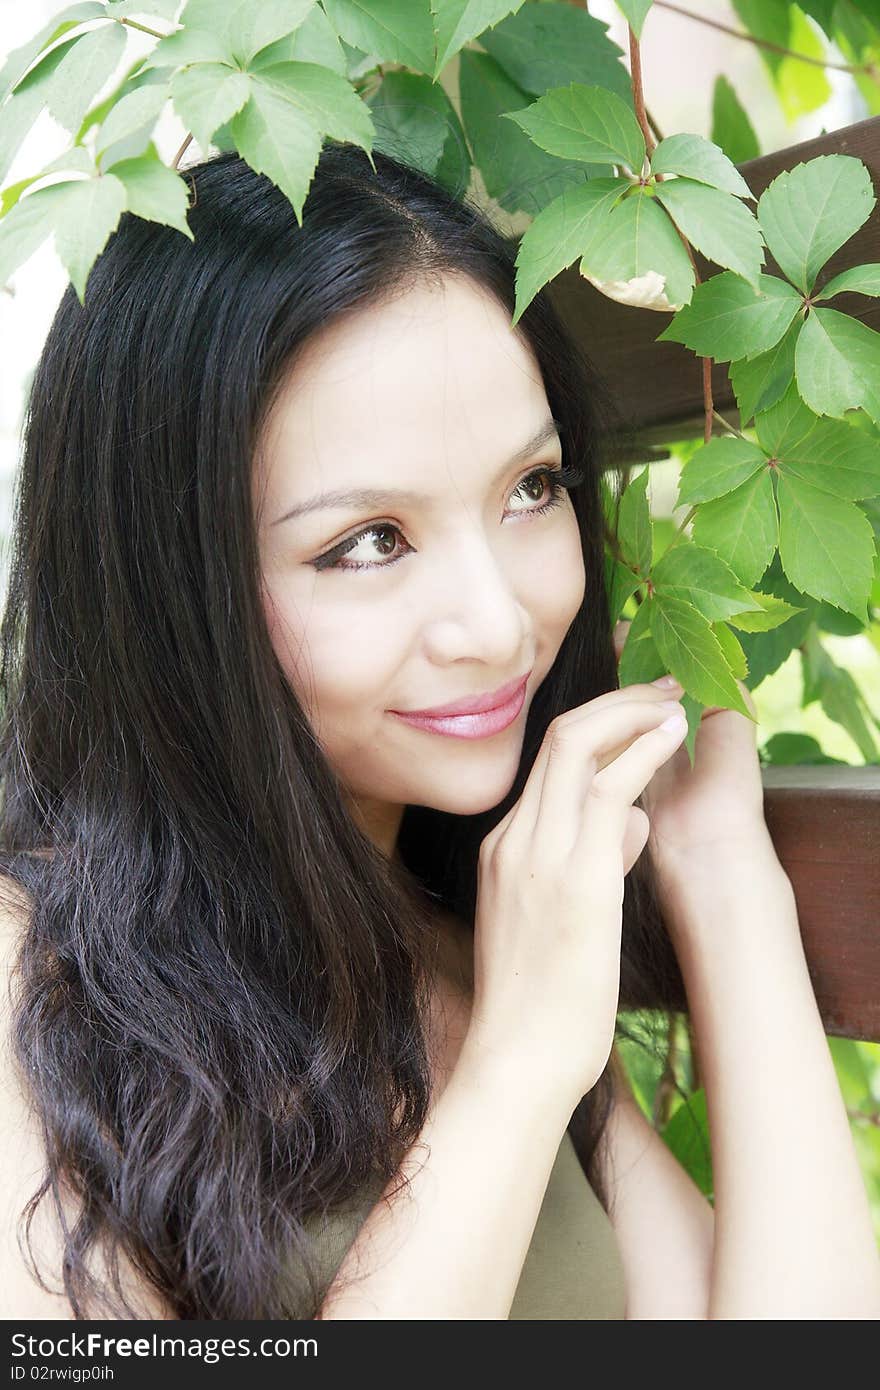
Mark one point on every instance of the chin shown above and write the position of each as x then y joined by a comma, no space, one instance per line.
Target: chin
467,796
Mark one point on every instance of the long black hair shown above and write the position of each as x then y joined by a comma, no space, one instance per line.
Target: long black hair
222,988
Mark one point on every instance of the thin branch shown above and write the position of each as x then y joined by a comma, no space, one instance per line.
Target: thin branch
708,402
635,66
868,69
727,425
638,94
657,132
133,24
180,153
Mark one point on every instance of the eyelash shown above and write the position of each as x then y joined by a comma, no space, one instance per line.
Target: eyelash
560,480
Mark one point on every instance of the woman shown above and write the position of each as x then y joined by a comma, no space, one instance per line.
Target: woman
316,990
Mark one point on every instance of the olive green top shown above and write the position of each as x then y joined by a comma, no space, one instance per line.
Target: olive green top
573,1268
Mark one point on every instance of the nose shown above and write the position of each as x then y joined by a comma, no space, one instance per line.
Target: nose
475,610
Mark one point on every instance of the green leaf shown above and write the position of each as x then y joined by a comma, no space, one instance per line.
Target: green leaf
691,650
324,97
758,382
827,454
640,661
636,256
393,32
187,46
802,87
154,191
788,750
837,693
742,527
700,160
726,319
731,128
244,27
315,41
769,20
773,613
808,212
27,101
687,1137
558,234
634,12
785,426
551,45
717,224
859,279
207,95
82,72
279,140
164,9
135,114
415,121
717,468
22,232
518,174
456,22
820,10
584,123
837,364
620,583
852,1073
826,544
733,652
634,524
83,214
701,578
20,59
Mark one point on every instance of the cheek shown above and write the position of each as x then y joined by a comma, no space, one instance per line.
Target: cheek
336,657
555,581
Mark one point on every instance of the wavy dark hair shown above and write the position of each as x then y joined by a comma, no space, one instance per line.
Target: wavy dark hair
222,985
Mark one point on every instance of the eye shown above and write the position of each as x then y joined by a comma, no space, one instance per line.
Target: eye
551,483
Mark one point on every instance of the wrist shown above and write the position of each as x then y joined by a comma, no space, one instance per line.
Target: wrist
719,889
502,1074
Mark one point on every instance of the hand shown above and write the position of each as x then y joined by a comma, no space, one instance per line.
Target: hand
716,806
550,892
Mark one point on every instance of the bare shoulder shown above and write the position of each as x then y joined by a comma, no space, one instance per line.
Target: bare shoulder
22,1165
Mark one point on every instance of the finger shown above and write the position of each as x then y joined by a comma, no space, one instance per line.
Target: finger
571,758
621,632
613,791
525,810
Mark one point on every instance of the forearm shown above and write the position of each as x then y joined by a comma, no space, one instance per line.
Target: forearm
793,1231
452,1244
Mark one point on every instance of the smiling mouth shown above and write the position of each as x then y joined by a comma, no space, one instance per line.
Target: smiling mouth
476,725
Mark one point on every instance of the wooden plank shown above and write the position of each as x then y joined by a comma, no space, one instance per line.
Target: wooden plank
825,826
656,388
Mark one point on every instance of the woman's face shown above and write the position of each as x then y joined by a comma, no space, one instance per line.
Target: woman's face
463,583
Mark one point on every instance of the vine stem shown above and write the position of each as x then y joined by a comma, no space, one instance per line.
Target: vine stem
635,67
180,153
868,69
638,93
133,24
727,425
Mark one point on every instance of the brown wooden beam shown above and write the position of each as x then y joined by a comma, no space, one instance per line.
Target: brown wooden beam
825,825
656,387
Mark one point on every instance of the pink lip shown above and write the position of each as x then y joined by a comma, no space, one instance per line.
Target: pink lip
473,704
476,722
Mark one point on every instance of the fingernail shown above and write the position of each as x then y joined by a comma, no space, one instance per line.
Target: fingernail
668,682
675,724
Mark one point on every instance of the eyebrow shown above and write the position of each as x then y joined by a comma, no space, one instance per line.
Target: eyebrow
379,497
